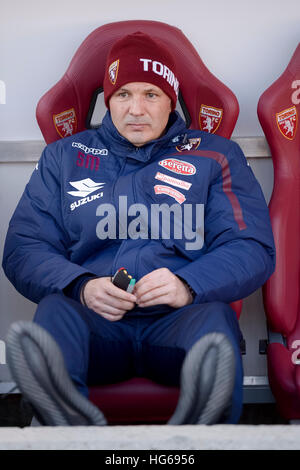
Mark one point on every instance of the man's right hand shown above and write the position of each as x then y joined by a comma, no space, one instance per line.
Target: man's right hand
106,299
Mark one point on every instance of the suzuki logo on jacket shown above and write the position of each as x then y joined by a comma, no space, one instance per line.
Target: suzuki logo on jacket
84,189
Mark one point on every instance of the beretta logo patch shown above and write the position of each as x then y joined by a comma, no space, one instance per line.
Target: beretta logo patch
178,166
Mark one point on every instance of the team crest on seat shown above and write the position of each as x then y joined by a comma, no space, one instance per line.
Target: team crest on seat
113,71
287,121
210,118
65,122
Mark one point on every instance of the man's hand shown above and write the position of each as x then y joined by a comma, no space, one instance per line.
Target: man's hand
161,286
106,299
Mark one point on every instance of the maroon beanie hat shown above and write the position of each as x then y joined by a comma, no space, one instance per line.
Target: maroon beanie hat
138,58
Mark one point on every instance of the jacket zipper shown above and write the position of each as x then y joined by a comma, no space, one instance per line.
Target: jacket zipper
114,264
138,250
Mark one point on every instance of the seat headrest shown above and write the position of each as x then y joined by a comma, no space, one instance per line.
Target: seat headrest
65,109
278,111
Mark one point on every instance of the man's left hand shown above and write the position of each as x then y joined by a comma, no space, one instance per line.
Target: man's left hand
161,286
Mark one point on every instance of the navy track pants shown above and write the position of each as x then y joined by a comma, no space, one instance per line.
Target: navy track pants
97,351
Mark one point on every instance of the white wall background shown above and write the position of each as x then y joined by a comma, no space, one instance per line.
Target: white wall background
246,43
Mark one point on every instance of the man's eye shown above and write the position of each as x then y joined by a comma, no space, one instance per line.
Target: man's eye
151,95
123,94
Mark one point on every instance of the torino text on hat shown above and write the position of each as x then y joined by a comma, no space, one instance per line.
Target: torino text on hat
163,70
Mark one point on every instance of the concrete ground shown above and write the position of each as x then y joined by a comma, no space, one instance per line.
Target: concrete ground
260,428
153,437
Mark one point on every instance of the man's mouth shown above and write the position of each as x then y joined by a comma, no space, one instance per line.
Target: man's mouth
137,125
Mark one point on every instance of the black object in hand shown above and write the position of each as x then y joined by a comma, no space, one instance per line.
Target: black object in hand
123,280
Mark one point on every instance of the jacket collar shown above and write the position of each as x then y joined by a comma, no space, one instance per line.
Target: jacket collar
175,129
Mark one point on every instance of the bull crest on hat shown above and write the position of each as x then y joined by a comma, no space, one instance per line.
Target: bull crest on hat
113,71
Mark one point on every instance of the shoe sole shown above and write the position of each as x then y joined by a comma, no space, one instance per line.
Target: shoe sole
37,366
206,382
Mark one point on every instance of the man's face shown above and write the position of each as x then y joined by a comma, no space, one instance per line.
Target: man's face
140,112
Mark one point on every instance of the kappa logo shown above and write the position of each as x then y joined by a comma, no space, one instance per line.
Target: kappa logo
84,189
90,150
89,157
113,71
178,166
65,122
287,121
192,144
210,118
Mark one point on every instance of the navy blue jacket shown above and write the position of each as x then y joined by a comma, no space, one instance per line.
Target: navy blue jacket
57,232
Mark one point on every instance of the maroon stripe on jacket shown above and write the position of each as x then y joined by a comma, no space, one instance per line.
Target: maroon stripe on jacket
227,180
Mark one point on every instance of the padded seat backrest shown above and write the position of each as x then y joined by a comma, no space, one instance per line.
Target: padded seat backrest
63,110
278,112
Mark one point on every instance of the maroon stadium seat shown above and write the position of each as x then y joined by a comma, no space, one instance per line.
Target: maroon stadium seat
67,109
278,112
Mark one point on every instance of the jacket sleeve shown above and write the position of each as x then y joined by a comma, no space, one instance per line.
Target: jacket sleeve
239,252
35,256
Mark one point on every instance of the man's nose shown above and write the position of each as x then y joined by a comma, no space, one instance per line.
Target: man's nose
136,106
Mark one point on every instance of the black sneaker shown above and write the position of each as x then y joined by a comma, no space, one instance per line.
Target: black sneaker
37,366
206,382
